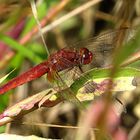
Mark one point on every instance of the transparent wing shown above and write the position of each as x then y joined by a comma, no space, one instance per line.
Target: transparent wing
74,72
110,37
103,45
68,94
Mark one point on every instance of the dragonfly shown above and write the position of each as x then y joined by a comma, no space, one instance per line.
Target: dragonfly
95,51
54,64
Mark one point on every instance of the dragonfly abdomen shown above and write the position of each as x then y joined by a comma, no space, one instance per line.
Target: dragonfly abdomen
30,75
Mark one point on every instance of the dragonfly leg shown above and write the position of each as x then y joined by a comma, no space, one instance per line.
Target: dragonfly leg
76,72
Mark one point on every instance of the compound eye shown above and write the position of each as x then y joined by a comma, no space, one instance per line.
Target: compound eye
86,56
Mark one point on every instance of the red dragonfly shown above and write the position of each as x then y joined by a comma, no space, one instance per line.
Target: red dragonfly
98,49
56,63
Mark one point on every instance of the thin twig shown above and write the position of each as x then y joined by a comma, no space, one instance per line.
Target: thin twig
135,57
55,125
134,133
70,15
33,6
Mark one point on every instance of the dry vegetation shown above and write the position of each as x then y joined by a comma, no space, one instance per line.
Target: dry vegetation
65,22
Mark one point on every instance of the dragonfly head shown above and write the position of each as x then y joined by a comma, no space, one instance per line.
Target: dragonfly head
86,56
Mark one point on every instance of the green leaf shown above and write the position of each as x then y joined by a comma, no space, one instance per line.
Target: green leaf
20,48
38,49
2,129
128,49
3,78
102,73
16,62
